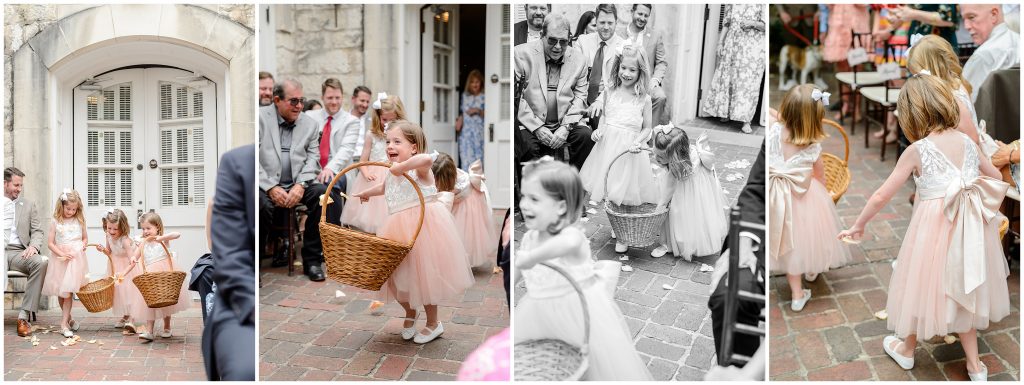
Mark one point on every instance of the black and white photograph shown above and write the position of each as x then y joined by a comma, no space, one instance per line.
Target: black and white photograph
639,158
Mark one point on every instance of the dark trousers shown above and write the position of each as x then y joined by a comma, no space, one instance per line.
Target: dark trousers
312,249
228,346
528,147
748,313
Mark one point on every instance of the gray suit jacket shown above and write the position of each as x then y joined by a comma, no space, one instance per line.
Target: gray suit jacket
531,64
305,154
26,219
344,135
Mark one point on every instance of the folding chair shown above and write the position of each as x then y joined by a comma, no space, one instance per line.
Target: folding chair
734,295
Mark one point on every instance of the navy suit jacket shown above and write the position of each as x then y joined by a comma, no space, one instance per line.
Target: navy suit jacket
234,240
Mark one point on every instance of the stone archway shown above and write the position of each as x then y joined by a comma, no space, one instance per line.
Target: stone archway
42,68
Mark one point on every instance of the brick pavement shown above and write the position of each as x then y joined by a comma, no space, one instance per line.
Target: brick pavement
308,333
837,337
671,328
113,356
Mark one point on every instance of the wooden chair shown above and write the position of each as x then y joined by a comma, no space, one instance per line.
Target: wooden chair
12,274
285,228
734,295
857,77
880,101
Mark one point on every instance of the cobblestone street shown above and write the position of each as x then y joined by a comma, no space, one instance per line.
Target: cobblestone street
309,333
110,356
837,336
672,328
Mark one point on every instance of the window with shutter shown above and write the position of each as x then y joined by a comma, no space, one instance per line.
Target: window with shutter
109,147
182,146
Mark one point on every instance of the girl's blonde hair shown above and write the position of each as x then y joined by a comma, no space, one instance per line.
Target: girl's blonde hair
66,198
117,217
562,182
474,74
935,54
154,219
390,104
926,105
445,172
412,132
676,146
802,115
644,78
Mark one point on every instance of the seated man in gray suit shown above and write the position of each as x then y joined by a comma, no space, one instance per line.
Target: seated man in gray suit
24,244
289,165
555,96
637,34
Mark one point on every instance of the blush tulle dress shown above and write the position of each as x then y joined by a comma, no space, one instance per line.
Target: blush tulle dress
437,268
65,277
475,220
697,223
927,292
366,216
804,222
630,180
156,260
126,295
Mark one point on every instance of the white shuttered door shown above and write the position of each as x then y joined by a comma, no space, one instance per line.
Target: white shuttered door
150,146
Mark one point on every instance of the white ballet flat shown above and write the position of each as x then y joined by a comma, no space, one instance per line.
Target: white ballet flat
67,333
906,363
621,247
75,325
659,252
979,376
798,304
146,336
409,332
424,338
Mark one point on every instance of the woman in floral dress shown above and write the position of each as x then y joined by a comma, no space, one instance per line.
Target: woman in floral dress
737,81
471,134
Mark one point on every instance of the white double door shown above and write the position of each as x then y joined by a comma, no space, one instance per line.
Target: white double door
147,142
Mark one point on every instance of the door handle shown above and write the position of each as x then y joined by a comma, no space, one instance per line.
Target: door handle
138,219
490,131
152,163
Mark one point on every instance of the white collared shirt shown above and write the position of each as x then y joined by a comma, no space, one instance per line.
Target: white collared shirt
636,38
10,222
363,123
1000,51
339,122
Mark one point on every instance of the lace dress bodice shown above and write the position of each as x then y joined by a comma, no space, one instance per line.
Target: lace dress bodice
938,172
68,231
117,247
400,195
777,160
378,150
153,252
542,282
623,111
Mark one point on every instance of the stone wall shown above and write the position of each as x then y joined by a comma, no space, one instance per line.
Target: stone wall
315,42
22,22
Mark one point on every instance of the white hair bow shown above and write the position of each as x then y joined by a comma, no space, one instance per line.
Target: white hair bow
380,98
434,155
64,194
924,72
664,128
817,95
915,39
110,211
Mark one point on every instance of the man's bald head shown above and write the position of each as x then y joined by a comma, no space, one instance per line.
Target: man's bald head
981,19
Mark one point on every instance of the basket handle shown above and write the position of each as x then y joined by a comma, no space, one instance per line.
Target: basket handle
608,172
330,187
142,260
97,246
583,303
846,139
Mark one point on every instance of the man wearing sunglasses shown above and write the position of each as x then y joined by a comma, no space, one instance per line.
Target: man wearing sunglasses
289,165
555,96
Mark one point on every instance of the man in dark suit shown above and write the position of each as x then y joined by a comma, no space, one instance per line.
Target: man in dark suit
530,29
289,157
555,96
751,204
229,342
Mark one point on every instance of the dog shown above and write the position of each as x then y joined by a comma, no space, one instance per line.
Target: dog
806,61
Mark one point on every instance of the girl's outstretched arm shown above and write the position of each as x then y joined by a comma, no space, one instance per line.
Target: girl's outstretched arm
908,162
168,237
667,188
645,132
415,162
377,189
562,244
365,156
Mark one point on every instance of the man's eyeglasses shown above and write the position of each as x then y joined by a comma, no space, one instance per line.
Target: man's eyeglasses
561,42
296,101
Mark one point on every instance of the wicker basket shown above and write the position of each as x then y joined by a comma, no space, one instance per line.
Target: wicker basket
98,295
550,359
160,289
634,225
837,171
360,259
